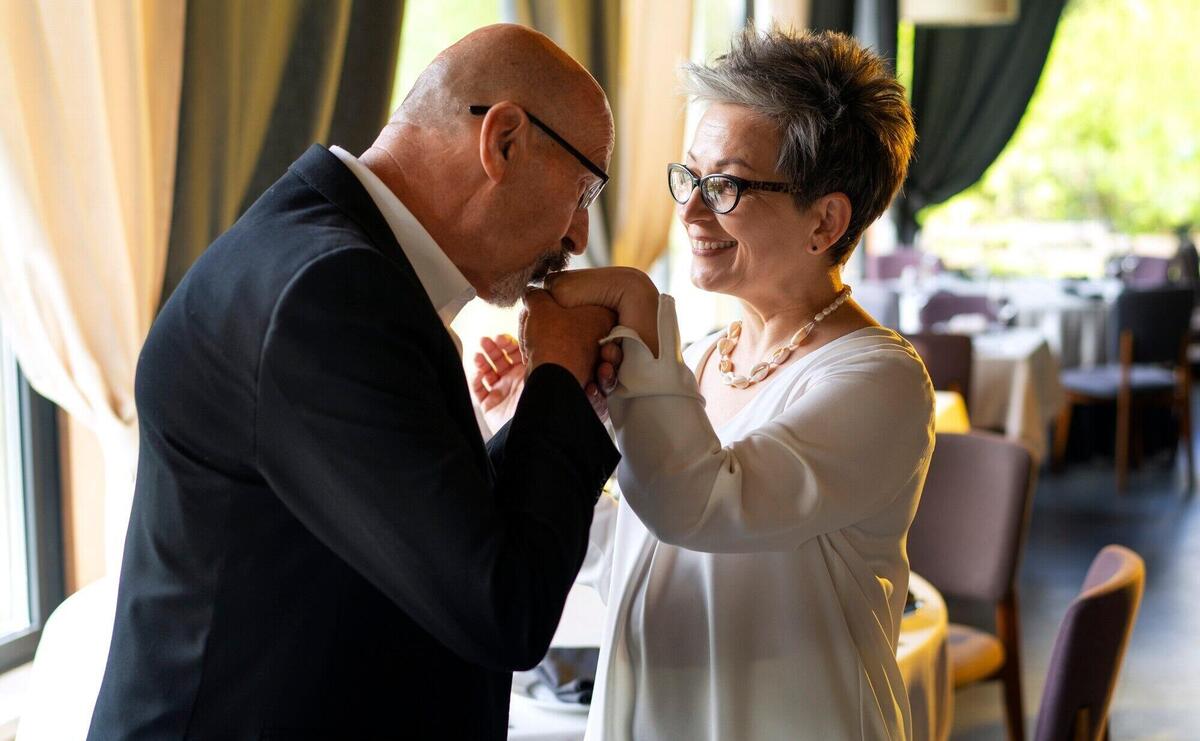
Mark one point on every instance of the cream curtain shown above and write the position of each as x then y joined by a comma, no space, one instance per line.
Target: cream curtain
655,39
89,103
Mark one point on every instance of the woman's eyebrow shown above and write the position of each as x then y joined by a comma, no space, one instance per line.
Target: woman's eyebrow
724,161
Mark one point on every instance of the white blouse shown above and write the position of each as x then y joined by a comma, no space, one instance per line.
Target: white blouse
755,576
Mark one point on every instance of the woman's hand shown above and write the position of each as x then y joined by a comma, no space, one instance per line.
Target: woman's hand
499,379
627,291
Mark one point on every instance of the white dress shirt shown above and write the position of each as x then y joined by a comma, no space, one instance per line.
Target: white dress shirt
755,576
447,288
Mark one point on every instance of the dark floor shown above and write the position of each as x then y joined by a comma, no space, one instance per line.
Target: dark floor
1075,514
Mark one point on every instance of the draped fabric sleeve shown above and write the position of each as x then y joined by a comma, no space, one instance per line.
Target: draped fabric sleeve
843,448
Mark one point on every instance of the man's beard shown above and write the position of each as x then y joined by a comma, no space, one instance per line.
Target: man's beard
509,289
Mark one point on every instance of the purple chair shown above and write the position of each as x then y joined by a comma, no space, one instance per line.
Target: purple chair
891,266
966,539
1090,646
944,305
948,358
1151,330
1148,272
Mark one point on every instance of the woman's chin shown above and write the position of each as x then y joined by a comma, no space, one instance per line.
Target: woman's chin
707,279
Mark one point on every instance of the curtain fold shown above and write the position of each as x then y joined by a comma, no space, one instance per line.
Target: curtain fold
655,40
970,88
263,81
90,93
872,22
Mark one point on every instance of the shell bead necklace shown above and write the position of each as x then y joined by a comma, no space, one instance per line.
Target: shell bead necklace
776,357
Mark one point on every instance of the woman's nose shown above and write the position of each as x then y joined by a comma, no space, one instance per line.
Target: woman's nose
694,208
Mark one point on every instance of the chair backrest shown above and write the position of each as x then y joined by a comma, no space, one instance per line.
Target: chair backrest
1160,320
970,525
1148,272
1090,646
891,266
944,305
948,359
879,301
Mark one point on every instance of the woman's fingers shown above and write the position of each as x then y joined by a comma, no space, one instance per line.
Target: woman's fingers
496,356
599,286
508,345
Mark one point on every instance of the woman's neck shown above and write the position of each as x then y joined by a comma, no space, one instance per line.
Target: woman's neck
767,324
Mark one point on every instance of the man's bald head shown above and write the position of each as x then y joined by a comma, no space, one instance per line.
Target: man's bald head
505,62
499,195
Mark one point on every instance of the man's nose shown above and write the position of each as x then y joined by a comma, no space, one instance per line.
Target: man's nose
577,234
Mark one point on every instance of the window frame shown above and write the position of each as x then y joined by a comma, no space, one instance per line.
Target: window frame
42,491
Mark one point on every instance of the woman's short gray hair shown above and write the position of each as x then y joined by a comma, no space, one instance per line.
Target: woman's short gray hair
845,123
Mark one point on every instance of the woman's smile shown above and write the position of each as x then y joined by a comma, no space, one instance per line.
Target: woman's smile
712,247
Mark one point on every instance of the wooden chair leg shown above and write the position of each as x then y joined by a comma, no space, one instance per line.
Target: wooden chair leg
1008,632
1124,402
1185,421
1062,430
1122,447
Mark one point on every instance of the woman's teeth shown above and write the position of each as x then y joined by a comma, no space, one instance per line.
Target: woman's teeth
700,245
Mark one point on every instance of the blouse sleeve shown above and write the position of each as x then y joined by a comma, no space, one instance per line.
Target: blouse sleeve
840,452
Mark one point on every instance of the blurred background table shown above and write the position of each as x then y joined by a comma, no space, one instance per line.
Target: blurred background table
1015,386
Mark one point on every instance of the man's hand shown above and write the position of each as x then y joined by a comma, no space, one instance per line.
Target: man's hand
499,378
566,337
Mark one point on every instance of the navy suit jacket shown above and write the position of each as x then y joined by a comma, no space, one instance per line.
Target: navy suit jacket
321,544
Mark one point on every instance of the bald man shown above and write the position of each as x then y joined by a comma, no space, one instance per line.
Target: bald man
322,546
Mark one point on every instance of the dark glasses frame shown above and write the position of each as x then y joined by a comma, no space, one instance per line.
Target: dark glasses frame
740,185
589,195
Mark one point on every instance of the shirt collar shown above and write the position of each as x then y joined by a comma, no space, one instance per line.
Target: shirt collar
448,290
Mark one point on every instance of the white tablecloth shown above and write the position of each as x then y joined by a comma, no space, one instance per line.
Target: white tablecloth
1075,325
1015,386
1075,328
922,654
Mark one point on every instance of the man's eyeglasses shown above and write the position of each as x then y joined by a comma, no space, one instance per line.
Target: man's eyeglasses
593,190
720,192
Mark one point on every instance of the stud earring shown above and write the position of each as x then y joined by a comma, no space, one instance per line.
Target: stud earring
814,248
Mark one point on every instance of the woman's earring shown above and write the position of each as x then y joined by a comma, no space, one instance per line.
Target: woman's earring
814,248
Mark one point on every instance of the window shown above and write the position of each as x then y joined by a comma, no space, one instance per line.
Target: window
31,576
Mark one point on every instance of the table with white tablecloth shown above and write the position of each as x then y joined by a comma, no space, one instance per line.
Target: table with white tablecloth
1015,386
922,655
1072,316
1075,327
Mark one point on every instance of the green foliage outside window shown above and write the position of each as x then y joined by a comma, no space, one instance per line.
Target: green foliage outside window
1112,134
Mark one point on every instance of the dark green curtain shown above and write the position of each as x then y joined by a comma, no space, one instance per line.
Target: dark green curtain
872,22
261,82
970,88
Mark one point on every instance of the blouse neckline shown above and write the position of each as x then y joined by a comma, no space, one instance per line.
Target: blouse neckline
800,363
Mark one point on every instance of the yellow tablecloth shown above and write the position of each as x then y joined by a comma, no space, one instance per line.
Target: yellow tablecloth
950,413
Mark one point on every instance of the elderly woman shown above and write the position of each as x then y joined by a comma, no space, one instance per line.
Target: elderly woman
755,573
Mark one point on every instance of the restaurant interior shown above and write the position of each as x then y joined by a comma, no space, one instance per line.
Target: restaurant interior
1040,258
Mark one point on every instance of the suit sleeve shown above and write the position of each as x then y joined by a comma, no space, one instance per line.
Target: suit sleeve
354,434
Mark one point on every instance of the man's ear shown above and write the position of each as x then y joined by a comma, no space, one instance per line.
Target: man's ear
502,138
834,211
